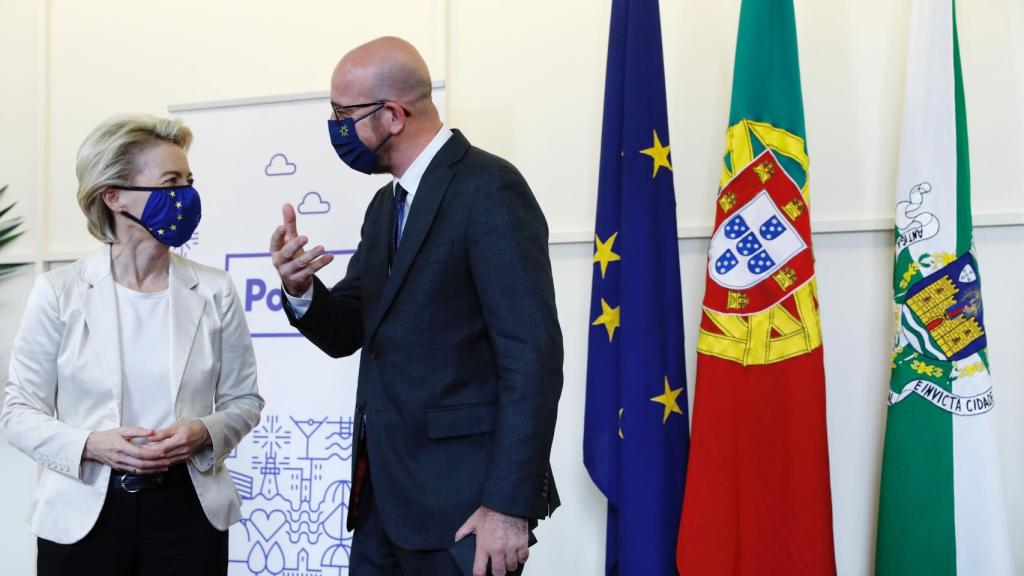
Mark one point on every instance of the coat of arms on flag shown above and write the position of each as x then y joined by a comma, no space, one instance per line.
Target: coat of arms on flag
759,239
942,316
760,301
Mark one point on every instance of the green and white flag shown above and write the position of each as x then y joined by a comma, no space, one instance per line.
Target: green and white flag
941,506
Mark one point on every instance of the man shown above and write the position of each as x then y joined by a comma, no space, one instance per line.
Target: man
450,298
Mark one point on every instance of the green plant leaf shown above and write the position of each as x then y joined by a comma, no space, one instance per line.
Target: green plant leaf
7,240
4,211
11,269
9,228
9,231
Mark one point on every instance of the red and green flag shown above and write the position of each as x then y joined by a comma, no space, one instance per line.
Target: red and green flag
758,499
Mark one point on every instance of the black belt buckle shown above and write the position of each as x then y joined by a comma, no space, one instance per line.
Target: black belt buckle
135,483
131,484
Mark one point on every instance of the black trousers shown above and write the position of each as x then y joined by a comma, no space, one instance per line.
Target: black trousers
150,533
375,554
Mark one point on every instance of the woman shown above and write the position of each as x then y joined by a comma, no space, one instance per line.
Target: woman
132,375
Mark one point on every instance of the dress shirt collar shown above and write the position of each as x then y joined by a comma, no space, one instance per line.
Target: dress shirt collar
410,180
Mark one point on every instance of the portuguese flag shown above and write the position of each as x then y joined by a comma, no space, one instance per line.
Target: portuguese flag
941,505
758,499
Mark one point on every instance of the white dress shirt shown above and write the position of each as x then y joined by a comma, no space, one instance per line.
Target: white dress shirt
410,181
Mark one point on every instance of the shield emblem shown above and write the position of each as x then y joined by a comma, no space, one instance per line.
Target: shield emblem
752,244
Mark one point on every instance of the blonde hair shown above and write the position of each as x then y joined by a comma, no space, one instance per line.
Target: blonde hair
107,159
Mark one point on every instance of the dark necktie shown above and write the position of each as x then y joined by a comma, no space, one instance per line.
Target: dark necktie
397,216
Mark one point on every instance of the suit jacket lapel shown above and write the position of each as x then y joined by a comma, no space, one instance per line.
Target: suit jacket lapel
424,208
375,249
186,308
99,304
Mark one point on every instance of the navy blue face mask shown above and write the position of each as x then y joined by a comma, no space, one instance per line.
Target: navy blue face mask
350,148
171,214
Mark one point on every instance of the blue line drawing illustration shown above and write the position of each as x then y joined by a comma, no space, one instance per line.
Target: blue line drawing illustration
312,203
280,166
293,522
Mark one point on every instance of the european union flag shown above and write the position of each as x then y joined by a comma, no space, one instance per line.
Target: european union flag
636,434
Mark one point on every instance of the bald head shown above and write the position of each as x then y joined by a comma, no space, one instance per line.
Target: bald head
385,68
388,69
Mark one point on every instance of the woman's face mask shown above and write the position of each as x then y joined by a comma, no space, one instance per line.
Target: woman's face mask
171,214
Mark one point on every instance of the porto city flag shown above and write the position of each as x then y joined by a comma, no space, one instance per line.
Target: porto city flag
636,429
941,504
758,499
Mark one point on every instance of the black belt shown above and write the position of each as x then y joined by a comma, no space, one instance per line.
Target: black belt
132,483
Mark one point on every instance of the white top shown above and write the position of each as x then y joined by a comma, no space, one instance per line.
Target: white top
145,324
410,181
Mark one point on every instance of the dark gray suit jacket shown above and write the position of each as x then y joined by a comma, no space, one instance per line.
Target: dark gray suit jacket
461,365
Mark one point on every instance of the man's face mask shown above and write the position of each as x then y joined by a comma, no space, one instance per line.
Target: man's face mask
171,214
346,140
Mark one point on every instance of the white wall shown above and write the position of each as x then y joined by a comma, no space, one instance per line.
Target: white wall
21,112
525,80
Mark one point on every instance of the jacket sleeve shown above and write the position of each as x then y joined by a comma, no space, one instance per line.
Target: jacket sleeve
28,418
511,270
334,319
237,401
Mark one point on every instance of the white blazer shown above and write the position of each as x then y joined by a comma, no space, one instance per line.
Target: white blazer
65,382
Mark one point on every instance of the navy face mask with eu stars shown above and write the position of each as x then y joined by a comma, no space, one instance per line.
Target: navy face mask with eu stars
349,147
171,214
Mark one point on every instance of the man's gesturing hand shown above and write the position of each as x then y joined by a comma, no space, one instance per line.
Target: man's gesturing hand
501,539
294,264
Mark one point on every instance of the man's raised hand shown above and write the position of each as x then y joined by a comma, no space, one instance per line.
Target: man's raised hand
294,264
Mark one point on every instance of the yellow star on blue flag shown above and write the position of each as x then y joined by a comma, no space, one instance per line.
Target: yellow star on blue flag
668,400
603,252
659,154
609,318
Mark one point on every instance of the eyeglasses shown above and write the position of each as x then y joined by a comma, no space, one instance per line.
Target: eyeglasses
342,112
